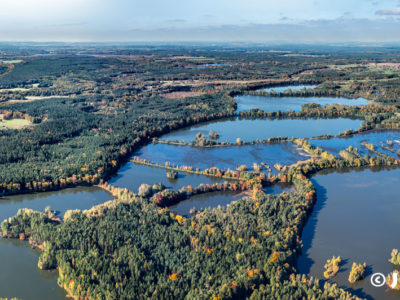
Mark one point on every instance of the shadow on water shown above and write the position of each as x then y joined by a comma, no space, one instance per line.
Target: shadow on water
20,276
359,292
357,287
305,262
344,263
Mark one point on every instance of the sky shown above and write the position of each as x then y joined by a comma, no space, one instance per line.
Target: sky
294,21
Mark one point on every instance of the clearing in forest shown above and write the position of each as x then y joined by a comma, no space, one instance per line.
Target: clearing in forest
14,123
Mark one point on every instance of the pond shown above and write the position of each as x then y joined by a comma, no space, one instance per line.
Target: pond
356,216
268,104
279,188
203,201
376,137
19,274
251,130
223,157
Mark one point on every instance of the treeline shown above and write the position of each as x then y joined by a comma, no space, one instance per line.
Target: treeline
8,115
372,113
239,174
319,91
304,92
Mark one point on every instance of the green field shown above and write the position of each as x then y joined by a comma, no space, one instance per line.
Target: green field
15,61
14,123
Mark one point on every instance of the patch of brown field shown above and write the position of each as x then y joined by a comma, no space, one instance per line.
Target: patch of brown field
235,82
196,83
197,106
182,95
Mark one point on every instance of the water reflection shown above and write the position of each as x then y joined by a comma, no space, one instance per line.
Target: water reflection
223,157
281,89
251,130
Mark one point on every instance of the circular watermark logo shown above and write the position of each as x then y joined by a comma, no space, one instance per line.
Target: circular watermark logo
378,279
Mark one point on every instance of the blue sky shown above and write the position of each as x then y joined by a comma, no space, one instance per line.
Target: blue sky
205,20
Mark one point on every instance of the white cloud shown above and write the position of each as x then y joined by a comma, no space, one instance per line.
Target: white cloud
389,12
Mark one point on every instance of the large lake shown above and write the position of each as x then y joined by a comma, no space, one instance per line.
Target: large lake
356,216
268,104
251,130
223,157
